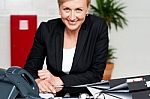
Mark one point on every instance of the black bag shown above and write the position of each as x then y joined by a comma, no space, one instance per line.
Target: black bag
16,83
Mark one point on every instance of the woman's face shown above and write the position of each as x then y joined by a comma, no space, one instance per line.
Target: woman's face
73,13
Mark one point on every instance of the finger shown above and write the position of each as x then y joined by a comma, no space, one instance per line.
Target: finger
47,87
43,87
43,71
52,88
43,76
58,89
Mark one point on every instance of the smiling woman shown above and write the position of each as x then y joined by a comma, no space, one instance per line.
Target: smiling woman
72,16
77,35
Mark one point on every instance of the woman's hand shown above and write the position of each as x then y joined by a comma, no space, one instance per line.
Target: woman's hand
45,86
48,82
45,74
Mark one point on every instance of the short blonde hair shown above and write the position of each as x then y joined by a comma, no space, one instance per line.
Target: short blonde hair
60,2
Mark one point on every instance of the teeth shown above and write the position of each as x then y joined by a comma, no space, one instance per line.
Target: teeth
72,22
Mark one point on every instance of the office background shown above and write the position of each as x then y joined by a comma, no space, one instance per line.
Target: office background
131,43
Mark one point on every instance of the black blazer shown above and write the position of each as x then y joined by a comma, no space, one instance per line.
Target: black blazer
90,55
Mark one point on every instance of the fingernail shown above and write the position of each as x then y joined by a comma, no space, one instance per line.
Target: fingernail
54,91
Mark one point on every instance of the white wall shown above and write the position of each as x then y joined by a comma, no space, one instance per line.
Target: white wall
132,43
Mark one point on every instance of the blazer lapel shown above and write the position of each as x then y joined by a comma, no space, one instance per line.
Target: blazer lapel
79,47
59,47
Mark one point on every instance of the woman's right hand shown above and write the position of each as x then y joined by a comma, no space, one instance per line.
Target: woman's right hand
47,75
45,86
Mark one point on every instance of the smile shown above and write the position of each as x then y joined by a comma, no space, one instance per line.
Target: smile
72,22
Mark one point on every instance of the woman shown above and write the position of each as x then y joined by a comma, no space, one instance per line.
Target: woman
75,47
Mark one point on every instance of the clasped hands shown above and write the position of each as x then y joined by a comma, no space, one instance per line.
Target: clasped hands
47,82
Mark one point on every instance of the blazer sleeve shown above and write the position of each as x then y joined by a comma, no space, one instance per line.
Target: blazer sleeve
96,70
35,59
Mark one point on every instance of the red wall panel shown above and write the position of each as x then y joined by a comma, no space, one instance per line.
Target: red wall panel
23,28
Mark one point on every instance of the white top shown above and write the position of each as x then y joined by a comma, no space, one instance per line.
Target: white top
68,55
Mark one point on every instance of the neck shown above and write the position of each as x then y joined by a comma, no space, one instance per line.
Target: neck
70,38
72,34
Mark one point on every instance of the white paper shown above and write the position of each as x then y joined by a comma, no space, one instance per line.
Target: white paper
148,83
134,80
46,95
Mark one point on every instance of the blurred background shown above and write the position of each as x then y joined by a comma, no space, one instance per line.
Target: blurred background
132,48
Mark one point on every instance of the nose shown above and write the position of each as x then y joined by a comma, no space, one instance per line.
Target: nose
72,16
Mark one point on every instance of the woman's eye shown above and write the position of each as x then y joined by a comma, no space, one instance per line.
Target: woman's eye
78,10
67,9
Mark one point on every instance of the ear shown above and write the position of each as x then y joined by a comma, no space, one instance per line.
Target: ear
88,8
87,12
